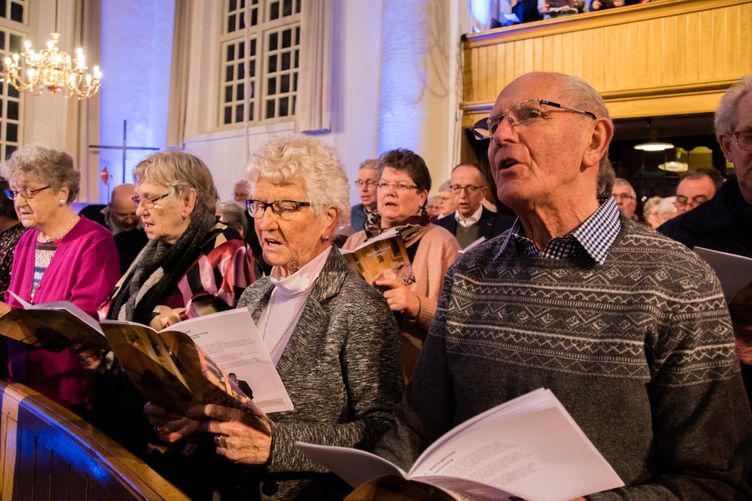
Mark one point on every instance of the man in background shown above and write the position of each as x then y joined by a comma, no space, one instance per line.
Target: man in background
471,220
724,223
120,217
695,188
366,184
626,198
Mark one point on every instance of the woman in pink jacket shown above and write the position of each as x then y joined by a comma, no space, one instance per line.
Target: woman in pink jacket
62,256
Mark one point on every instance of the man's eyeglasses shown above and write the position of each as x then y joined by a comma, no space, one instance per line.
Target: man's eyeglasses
367,183
470,189
282,209
400,187
149,202
26,194
525,113
744,139
623,196
682,201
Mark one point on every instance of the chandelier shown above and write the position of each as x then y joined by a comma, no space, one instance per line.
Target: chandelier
52,69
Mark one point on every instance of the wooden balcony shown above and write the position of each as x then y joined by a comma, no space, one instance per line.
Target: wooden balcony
669,57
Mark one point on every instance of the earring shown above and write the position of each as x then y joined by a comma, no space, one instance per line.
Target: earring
61,202
324,238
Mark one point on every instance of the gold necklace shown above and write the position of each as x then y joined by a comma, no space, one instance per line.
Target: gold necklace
46,239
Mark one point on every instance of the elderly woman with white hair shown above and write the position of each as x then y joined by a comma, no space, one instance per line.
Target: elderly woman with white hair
333,337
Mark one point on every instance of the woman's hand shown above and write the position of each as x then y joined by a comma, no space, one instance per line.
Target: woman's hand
399,297
169,427
242,435
4,308
166,317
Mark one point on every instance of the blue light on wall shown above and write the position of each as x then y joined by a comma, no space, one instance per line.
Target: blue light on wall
403,74
136,57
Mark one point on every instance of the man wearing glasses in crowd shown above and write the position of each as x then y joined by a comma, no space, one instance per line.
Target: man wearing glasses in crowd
625,197
366,184
626,327
471,220
725,222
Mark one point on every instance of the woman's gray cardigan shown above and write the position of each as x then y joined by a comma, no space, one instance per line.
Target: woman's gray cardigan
341,369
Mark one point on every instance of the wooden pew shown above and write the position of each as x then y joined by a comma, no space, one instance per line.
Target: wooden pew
49,453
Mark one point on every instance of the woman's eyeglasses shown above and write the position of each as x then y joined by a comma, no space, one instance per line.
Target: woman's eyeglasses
400,187
149,202
26,194
282,209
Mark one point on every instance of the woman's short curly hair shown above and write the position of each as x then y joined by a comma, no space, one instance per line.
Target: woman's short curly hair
51,166
408,162
304,159
179,171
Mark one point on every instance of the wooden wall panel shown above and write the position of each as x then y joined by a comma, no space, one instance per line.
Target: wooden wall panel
667,57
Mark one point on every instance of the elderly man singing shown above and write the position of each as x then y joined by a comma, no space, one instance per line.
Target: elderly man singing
627,328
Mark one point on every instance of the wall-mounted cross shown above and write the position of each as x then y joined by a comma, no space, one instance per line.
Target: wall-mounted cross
124,147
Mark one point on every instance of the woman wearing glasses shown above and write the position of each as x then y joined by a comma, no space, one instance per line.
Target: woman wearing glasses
402,189
61,257
192,265
332,337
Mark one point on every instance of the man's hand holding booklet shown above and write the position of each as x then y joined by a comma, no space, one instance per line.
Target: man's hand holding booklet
529,447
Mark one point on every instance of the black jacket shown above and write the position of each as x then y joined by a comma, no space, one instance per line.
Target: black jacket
723,223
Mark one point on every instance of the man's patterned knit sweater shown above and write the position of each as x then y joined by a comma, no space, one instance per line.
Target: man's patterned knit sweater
638,349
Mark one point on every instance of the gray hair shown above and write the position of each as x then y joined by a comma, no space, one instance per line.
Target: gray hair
619,181
369,163
726,113
232,216
307,160
53,167
180,172
583,96
606,177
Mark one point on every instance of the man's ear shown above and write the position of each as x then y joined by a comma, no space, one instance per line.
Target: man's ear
725,140
603,132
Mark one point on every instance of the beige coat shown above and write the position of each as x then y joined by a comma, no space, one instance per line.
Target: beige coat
437,251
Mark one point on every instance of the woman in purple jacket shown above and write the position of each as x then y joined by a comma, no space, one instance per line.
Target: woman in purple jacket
62,257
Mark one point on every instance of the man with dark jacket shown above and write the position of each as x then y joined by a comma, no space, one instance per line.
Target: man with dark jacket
471,220
724,223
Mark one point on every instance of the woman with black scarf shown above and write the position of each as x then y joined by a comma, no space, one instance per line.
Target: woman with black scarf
193,265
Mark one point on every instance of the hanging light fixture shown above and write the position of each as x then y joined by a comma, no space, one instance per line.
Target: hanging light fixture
52,69
653,144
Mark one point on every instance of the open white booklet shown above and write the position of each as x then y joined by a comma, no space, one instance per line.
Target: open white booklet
229,338
529,447
232,341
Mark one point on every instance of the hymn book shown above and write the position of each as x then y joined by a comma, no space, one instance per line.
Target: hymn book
529,447
381,257
199,360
